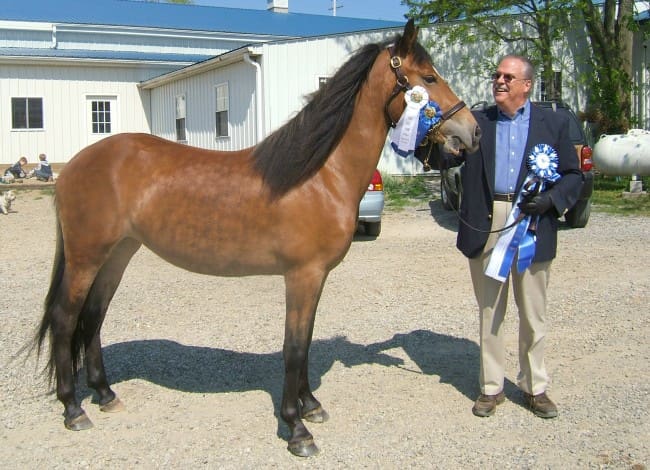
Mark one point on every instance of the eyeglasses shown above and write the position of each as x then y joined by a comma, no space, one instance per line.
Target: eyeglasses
507,77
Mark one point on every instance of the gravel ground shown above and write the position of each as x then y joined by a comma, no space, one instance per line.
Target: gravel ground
197,359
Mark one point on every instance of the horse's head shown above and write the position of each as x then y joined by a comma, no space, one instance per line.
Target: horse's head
453,124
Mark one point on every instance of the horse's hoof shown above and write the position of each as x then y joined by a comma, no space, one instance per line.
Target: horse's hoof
113,406
305,448
80,423
317,415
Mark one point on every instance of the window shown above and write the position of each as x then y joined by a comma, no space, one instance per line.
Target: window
100,116
181,134
222,105
27,113
545,93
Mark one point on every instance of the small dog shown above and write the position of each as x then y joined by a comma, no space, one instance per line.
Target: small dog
5,201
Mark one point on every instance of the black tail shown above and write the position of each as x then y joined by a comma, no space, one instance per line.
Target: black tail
55,285
50,304
45,329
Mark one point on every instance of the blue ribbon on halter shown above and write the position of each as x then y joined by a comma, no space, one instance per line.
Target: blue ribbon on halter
430,115
419,115
518,240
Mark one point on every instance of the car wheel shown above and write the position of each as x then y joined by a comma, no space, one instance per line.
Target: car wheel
373,229
449,200
578,216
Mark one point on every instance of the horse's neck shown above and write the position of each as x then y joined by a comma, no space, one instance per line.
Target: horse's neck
359,150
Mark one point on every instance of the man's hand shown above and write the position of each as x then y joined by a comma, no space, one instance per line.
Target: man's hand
536,204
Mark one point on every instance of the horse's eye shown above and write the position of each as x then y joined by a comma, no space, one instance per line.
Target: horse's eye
430,79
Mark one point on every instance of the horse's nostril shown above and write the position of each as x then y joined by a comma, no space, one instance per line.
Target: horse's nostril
477,132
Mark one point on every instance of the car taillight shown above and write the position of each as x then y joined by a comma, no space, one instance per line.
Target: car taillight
586,163
376,183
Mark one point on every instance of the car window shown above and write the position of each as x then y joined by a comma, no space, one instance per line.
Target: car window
575,132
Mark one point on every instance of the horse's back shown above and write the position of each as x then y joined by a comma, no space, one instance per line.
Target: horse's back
128,165
202,210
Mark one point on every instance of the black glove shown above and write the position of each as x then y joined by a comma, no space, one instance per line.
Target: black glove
536,204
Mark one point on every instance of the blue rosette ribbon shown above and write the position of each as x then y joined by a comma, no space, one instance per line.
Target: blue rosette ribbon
430,115
419,115
519,240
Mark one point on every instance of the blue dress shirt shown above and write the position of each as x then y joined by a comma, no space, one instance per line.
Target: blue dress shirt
512,133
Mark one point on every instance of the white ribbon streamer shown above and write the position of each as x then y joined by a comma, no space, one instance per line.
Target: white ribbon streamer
504,252
403,136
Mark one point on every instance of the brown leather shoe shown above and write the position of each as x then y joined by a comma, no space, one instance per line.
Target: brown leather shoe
486,405
541,405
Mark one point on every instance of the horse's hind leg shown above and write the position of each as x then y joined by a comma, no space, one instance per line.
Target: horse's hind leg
303,290
63,314
93,314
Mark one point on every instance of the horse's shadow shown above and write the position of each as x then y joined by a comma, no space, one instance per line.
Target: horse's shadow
198,369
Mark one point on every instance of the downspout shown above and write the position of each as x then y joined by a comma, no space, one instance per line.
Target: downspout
259,122
55,43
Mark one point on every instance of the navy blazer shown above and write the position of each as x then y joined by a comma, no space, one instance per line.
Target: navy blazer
546,127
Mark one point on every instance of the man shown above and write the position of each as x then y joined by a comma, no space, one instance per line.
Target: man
492,178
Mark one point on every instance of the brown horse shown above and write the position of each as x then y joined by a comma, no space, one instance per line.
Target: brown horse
285,207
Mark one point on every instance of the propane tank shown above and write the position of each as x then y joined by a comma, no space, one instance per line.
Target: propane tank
623,154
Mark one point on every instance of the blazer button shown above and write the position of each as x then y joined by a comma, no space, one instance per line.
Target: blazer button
489,216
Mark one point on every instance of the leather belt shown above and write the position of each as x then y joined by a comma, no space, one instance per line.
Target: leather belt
507,197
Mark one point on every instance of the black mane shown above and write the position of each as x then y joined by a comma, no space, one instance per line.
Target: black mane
299,149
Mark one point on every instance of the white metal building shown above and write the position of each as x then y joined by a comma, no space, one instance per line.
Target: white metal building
73,72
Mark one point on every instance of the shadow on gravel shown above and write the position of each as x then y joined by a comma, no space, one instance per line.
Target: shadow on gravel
197,369
446,219
454,360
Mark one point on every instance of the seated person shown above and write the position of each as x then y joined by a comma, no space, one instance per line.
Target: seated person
17,170
43,170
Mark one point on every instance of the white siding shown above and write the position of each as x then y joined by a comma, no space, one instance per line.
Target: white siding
64,90
291,70
200,94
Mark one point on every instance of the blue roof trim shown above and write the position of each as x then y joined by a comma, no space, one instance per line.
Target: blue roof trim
186,17
102,55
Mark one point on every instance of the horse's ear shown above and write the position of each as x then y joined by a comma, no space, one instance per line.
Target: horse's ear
408,39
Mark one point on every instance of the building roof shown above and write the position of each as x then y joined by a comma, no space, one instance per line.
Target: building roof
130,13
113,56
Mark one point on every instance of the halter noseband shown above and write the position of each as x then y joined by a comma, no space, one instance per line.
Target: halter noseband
402,84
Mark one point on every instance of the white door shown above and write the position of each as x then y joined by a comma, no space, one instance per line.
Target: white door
101,117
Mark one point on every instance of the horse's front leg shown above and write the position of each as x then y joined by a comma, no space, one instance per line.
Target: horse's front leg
303,290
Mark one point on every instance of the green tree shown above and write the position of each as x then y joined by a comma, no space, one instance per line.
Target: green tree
610,31
532,26
529,27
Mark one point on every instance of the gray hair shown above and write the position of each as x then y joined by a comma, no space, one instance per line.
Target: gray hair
529,68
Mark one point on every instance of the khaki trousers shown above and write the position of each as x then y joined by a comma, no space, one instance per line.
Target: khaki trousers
529,291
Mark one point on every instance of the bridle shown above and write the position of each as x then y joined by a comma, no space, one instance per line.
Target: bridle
402,85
